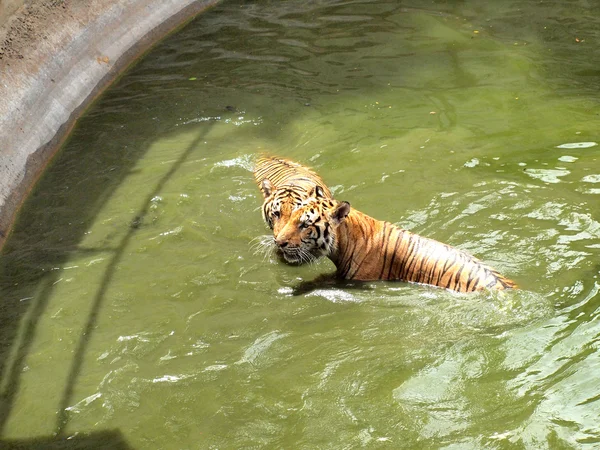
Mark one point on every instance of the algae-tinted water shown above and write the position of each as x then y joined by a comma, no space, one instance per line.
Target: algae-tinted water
133,300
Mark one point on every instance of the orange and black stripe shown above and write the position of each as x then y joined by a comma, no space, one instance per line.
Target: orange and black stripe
368,249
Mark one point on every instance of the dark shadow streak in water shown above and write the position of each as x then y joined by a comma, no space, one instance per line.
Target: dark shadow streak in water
31,314
101,440
39,246
63,418
28,273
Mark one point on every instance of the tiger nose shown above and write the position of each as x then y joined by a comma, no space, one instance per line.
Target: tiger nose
281,243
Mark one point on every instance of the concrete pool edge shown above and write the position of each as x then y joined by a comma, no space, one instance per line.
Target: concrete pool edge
47,82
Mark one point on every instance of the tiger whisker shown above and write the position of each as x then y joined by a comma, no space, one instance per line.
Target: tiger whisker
261,241
307,257
262,245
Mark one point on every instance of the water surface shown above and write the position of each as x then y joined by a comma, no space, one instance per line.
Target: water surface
133,300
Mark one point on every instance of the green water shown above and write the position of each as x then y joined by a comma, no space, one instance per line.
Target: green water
135,309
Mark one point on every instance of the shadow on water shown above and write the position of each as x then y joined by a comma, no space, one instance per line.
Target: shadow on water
329,281
41,243
62,419
103,440
26,304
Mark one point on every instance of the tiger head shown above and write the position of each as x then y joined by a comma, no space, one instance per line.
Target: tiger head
311,229
279,203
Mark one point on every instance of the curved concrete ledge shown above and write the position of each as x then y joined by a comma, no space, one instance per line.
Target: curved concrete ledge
55,58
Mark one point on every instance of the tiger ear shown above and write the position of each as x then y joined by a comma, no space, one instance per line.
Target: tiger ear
340,212
317,192
266,187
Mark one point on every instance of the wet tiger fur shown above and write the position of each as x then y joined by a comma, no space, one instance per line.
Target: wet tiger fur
363,248
285,185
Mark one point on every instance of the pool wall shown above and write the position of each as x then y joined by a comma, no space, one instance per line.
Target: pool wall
55,58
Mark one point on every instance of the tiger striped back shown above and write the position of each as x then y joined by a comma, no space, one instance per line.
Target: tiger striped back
282,172
402,255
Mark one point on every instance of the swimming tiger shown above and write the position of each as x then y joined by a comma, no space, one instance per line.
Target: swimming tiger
285,185
363,248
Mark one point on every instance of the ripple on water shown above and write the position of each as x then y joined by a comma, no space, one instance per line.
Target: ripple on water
255,352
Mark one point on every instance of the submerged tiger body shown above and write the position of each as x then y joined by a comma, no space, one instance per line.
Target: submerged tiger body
285,186
363,248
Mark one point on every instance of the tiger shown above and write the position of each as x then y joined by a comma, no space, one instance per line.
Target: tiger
366,249
285,185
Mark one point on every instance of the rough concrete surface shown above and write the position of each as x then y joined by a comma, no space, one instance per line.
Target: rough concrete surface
55,57
7,7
